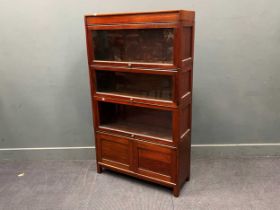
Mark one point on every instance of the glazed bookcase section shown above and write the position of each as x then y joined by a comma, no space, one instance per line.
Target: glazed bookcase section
135,85
136,122
137,40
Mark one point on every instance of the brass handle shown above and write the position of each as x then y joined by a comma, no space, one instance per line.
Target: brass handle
103,99
129,65
132,135
131,99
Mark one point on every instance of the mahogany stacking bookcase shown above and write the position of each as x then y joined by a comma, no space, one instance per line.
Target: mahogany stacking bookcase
140,68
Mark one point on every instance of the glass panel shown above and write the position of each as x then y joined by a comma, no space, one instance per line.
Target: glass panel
135,84
138,45
145,121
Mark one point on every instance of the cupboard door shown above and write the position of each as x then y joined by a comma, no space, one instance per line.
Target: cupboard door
114,151
155,161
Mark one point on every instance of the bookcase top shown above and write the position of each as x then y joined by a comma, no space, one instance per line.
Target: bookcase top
138,13
148,16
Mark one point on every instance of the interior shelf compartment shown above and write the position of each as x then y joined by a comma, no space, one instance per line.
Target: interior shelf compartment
149,86
136,120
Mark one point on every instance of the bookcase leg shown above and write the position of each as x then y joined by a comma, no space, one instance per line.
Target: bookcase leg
99,169
176,191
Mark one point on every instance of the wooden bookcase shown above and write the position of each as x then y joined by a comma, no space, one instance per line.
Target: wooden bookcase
140,68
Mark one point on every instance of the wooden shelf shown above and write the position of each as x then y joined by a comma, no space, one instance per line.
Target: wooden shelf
130,94
140,129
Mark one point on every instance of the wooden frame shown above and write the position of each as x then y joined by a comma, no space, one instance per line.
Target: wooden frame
151,158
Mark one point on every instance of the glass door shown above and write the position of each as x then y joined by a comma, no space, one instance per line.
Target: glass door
137,85
138,121
133,47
